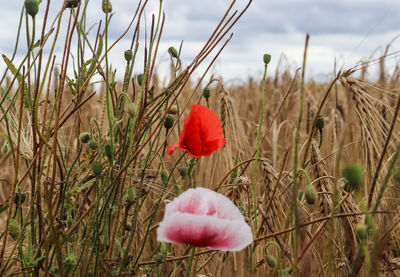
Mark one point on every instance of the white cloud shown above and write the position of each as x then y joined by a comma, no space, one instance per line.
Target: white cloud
346,30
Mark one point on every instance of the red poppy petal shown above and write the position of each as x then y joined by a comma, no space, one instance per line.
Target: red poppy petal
172,148
211,128
192,139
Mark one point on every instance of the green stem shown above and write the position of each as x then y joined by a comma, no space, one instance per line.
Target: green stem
189,268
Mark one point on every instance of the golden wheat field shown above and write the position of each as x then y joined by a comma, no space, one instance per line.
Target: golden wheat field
303,176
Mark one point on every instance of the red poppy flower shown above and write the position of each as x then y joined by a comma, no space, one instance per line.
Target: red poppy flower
202,133
204,218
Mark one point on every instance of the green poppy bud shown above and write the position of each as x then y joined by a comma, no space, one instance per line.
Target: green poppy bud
72,3
19,198
354,176
164,248
131,194
93,144
172,51
128,55
84,137
320,123
267,58
69,261
168,122
167,92
310,193
173,109
271,261
139,79
132,109
106,6
14,229
164,175
32,7
109,150
97,169
183,171
362,231
206,93
5,148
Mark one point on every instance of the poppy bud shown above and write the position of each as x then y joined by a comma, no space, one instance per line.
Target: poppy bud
206,93
131,194
173,109
109,150
354,176
172,51
132,109
164,248
310,193
14,229
167,92
93,144
32,7
5,148
271,261
72,3
19,198
97,169
362,231
183,171
84,137
320,123
106,6
267,58
128,55
164,175
69,261
139,79
168,122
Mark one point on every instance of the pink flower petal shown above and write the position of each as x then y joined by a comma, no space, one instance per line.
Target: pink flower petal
204,218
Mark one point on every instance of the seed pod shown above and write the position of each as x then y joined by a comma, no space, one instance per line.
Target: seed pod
14,229
19,198
168,122
106,6
173,109
131,195
72,3
5,148
362,231
32,7
206,93
84,137
97,169
93,144
267,58
172,51
139,79
183,171
354,175
310,193
132,109
320,123
271,261
164,175
109,150
167,92
164,248
128,55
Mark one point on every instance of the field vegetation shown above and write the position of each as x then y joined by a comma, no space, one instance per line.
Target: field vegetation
312,166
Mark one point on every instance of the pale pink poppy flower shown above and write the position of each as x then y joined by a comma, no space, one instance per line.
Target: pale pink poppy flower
204,218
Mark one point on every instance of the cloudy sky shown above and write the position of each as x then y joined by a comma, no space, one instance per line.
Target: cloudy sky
348,30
